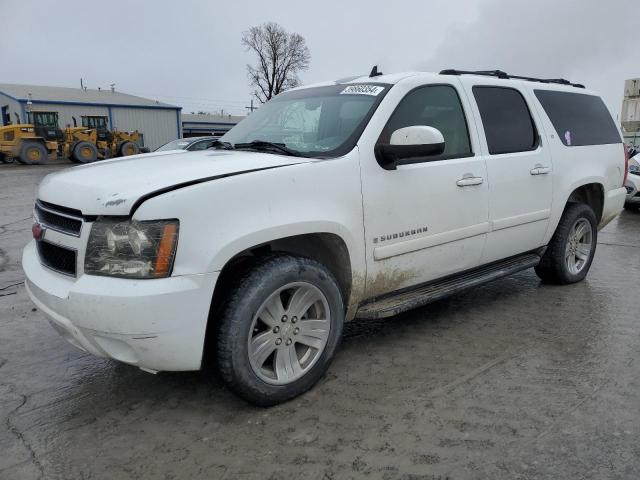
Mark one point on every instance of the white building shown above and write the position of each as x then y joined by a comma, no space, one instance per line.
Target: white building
630,116
196,125
158,122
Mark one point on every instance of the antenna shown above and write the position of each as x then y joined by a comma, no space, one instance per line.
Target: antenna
375,72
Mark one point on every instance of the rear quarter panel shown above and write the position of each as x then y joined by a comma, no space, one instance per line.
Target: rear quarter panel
575,166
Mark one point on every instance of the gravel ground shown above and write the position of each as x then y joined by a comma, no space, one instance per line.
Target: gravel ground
514,380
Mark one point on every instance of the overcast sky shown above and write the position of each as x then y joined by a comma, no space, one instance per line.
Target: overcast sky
188,52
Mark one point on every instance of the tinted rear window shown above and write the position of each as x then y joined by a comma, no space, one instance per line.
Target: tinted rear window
579,119
507,121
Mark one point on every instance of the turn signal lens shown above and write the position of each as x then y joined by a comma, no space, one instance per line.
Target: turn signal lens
166,250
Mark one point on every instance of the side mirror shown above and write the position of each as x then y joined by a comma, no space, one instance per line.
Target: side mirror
408,143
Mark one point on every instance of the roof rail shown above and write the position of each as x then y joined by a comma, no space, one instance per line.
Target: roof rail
506,76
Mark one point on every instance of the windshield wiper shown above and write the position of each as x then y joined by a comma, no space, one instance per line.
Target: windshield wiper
264,145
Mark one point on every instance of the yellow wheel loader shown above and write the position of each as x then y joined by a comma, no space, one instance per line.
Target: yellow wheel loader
31,143
78,144
41,139
126,143
116,143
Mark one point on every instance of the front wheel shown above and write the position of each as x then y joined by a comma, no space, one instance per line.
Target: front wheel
33,153
571,250
127,148
280,329
84,152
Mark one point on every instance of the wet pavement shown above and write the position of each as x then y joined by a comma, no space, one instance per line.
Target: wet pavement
514,380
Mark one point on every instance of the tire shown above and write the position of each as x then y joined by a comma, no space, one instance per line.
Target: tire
567,258
84,152
33,153
283,366
127,148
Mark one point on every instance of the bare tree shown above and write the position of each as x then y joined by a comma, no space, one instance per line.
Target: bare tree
281,56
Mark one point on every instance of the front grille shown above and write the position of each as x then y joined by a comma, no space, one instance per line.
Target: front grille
61,219
57,258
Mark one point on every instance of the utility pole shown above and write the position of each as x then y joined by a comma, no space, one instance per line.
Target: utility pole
251,108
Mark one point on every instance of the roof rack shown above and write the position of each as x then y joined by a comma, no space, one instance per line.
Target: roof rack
506,76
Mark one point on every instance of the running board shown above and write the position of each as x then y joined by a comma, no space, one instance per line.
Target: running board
398,302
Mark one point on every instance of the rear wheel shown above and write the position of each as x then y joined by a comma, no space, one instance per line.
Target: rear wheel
279,329
33,153
570,252
84,152
128,148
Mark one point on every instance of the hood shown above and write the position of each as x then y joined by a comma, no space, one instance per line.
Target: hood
115,187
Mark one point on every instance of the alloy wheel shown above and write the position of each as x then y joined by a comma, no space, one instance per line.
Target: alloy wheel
579,246
289,333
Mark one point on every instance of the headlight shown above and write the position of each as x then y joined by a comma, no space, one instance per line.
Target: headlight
131,249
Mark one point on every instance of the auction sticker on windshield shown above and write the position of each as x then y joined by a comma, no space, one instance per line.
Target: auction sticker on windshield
362,90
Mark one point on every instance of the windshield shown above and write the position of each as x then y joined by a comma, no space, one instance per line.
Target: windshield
180,144
94,122
44,119
322,121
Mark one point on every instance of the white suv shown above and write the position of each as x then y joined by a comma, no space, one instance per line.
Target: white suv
363,197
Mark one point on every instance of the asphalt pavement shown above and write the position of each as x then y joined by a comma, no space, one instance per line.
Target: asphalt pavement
514,380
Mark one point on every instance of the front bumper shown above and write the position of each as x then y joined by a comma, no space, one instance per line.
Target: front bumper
155,324
633,189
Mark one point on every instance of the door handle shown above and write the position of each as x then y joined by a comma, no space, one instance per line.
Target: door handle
540,170
468,181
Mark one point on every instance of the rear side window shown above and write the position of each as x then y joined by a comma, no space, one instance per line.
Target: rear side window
579,119
507,120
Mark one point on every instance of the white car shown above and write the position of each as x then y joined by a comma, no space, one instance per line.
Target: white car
191,144
633,184
362,197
